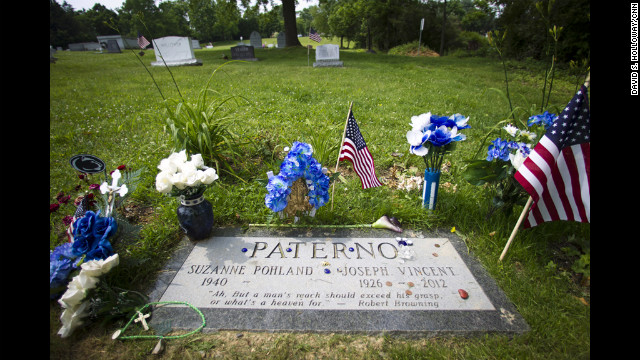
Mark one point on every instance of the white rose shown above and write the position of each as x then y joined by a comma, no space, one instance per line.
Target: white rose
71,318
96,268
163,182
209,176
179,157
179,180
197,160
167,165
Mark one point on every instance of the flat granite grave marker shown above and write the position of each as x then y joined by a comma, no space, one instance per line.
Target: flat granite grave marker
328,56
175,50
315,280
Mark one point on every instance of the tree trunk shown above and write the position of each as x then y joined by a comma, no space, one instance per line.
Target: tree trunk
290,29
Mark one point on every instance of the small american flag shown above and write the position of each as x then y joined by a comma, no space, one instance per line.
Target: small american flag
81,210
142,42
557,172
355,150
313,35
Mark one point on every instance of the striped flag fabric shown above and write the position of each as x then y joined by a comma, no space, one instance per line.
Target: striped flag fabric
557,172
355,150
142,41
313,35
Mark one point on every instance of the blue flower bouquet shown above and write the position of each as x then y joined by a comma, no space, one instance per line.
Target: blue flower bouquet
431,137
298,164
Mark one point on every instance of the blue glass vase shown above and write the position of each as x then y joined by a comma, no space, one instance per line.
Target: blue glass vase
430,189
195,215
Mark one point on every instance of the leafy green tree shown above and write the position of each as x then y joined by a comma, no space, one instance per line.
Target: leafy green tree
528,29
64,26
227,19
202,17
97,19
174,18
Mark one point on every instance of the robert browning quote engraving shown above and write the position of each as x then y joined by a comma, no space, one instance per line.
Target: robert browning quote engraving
326,274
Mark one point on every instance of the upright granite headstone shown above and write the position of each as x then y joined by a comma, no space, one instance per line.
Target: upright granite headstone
195,44
175,50
328,56
350,281
243,52
282,40
113,47
255,39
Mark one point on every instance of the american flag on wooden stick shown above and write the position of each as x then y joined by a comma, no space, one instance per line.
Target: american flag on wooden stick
557,172
313,35
355,150
142,41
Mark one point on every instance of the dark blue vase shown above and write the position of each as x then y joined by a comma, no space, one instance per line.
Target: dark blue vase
195,215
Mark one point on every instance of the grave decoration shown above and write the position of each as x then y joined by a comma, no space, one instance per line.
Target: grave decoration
74,302
431,137
505,154
76,266
302,184
188,180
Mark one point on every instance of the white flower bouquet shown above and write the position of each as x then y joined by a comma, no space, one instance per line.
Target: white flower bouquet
181,178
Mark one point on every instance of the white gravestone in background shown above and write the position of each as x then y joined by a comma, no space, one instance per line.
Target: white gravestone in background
175,50
328,55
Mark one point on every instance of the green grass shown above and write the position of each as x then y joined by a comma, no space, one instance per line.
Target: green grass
106,105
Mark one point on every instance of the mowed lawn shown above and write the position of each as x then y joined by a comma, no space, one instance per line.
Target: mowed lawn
107,105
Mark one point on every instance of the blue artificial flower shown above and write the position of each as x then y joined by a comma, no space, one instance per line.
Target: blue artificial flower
300,148
298,163
546,119
104,228
102,251
275,202
498,150
278,185
459,121
84,226
443,136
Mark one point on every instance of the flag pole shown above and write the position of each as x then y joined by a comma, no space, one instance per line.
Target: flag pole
344,132
515,229
528,204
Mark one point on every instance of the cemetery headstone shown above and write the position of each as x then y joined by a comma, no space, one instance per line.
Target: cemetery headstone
342,280
195,44
282,40
243,52
255,39
328,56
175,50
52,51
113,47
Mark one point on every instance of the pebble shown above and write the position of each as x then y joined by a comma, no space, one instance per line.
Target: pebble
463,294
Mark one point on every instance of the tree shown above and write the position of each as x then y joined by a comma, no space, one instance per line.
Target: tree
289,14
64,27
202,16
